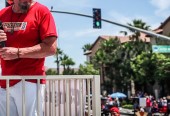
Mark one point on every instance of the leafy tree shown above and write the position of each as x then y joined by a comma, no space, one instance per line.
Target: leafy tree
86,47
151,67
124,33
66,62
107,59
50,72
135,47
87,69
58,56
139,24
113,58
163,72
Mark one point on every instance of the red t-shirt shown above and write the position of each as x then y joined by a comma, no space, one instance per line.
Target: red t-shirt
26,30
148,102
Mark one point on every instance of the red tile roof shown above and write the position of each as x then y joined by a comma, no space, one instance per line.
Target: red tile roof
123,39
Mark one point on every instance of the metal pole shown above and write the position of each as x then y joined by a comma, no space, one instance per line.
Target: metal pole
119,24
6,4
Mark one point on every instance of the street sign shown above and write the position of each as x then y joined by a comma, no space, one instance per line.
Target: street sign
161,48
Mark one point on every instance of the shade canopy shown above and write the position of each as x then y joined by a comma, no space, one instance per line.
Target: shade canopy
118,95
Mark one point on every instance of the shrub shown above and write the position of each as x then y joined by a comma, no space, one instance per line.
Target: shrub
123,103
127,106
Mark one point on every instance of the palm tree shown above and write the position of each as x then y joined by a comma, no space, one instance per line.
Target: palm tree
69,62
124,33
86,47
105,57
66,62
58,55
139,24
138,46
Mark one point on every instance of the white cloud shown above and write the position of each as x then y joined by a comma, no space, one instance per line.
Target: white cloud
119,18
107,30
161,4
78,33
163,7
86,32
123,19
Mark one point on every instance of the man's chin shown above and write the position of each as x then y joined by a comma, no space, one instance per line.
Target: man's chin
24,8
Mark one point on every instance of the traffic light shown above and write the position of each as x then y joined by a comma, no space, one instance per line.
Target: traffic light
97,18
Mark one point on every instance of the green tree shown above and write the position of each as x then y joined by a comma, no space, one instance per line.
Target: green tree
87,69
113,57
86,47
133,48
50,72
151,67
139,24
163,72
58,56
107,61
66,62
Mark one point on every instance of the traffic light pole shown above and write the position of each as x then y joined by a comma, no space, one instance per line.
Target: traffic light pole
118,24
6,3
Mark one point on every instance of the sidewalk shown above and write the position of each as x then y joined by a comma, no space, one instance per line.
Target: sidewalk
129,112
126,111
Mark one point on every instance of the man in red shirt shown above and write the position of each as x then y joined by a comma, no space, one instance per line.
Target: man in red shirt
148,105
29,33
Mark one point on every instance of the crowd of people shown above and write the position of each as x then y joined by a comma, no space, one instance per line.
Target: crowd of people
161,105
152,106
110,106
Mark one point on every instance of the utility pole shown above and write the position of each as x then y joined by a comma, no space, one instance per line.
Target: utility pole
118,24
8,2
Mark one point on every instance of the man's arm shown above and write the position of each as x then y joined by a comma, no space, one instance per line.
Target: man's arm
46,48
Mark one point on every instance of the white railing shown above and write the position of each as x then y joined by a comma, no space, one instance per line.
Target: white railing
65,95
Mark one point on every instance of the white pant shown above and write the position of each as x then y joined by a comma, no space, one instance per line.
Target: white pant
16,99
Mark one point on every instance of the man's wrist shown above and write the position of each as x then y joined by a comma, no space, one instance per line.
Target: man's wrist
18,53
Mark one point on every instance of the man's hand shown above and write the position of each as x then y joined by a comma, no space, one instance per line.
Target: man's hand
9,53
3,36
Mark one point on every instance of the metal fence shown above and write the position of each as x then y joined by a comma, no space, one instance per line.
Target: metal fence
65,95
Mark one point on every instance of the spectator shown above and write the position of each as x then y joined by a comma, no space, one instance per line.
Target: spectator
148,105
115,110
136,106
155,107
160,100
168,105
141,112
164,105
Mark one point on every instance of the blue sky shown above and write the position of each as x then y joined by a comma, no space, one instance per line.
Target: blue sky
75,31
